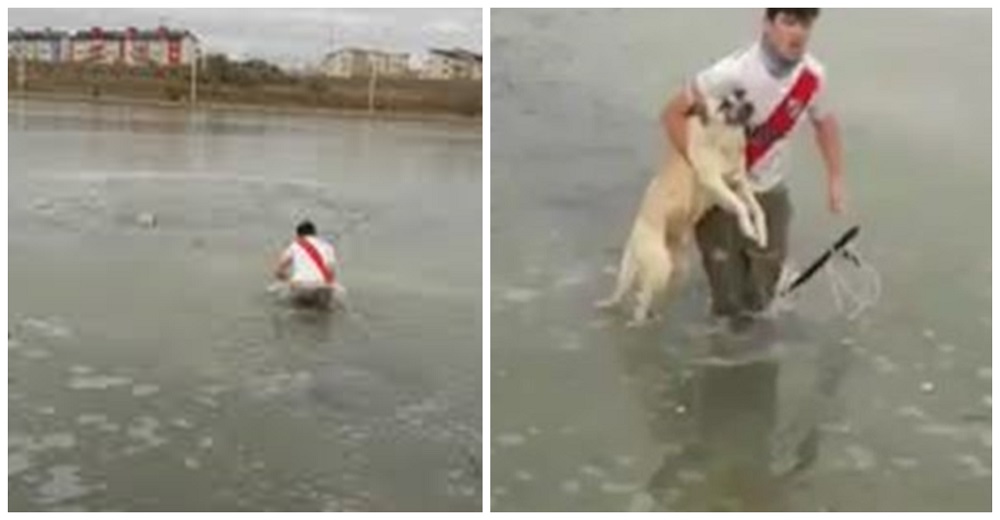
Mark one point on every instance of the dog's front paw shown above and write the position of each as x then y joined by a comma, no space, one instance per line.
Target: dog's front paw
747,228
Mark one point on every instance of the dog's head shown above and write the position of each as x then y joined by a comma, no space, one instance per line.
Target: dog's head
732,109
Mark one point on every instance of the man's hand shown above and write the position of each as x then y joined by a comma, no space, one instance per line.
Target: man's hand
282,267
835,193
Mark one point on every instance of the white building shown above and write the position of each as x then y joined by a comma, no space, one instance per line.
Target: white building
352,62
46,46
133,47
456,63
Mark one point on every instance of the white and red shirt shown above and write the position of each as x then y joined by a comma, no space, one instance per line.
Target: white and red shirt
779,103
307,259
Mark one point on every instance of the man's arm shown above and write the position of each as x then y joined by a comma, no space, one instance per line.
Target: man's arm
828,141
281,268
674,119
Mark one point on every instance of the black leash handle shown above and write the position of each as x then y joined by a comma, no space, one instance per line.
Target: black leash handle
844,239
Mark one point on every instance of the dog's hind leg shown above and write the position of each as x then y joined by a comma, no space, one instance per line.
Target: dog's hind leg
681,262
626,277
653,280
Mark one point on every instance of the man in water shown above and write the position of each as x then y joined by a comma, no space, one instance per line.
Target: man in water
309,266
784,83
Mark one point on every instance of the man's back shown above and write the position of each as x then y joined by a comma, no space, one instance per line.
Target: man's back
305,269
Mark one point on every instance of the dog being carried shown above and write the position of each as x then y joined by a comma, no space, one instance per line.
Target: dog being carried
712,173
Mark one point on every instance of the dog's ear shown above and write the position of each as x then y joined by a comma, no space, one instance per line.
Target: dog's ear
698,109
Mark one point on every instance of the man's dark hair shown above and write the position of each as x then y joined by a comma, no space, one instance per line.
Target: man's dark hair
805,14
305,228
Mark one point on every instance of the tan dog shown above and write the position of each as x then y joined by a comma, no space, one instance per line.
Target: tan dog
681,193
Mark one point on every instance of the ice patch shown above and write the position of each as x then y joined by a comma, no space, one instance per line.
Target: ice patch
624,461
571,279
144,390
671,449
946,348
598,324
911,411
206,401
883,365
978,469
568,430
17,463
35,353
569,345
592,471
614,488
862,457
181,423
213,389
56,441
904,462
570,487
97,382
145,430
523,476
50,329
64,485
643,503
520,295
88,419
510,439
690,476
943,430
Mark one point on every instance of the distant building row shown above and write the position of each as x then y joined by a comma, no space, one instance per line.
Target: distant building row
353,62
160,46
172,47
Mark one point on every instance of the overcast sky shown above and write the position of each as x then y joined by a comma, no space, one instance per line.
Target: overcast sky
294,37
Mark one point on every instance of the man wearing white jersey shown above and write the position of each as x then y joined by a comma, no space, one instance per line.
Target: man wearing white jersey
785,84
309,266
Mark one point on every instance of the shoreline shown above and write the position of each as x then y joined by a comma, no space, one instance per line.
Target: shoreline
415,116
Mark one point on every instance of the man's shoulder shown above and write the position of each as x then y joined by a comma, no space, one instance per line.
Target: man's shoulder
739,56
815,65
324,243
